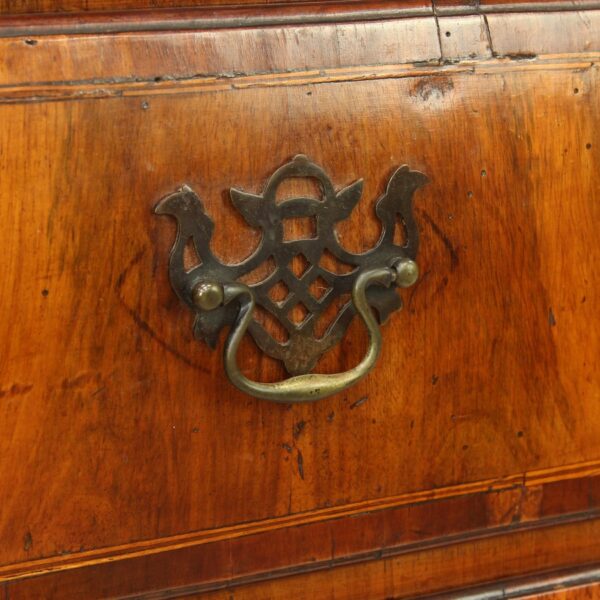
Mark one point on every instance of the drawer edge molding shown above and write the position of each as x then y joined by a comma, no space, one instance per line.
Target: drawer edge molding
36,23
159,61
195,570
537,495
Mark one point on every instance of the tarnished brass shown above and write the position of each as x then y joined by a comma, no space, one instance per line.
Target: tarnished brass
207,296
406,272
309,387
213,291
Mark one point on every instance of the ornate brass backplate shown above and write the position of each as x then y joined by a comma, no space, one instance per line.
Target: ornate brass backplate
203,288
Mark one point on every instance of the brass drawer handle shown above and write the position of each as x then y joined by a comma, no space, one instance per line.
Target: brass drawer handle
212,290
311,386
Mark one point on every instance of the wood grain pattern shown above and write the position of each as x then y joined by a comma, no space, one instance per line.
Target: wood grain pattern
578,582
465,7
464,37
210,17
123,345
588,592
221,53
88,6
323,539
227,51
543,494
53,7
533,34
129,464
11,7
426,572
452,565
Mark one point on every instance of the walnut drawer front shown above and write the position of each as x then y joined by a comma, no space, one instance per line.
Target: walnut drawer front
471,453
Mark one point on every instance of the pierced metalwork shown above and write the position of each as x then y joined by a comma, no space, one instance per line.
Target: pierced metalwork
311,285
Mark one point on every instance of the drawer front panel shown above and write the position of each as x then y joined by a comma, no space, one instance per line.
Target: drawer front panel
126,428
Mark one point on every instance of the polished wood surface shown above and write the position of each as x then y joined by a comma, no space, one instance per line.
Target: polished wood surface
12,7
51,7
544,518
128,463
588,592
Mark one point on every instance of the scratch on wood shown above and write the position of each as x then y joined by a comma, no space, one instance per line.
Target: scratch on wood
300,465
446,241
298,429
359,402
551,319
16,389
27,541
488,34
79,380
142,324
520,56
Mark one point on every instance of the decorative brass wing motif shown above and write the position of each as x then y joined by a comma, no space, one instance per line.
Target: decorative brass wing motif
303,348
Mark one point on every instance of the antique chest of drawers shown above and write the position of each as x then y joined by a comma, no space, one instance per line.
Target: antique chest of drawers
202,204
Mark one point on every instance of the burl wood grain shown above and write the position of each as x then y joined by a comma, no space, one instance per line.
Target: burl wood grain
120,437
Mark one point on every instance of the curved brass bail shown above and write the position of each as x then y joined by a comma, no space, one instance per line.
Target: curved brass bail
309,387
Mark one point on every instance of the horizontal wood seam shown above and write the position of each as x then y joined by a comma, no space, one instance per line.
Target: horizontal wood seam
512,7
103,89
126,551
228,17
390,552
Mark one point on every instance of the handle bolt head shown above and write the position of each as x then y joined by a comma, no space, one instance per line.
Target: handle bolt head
207,295
407,272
